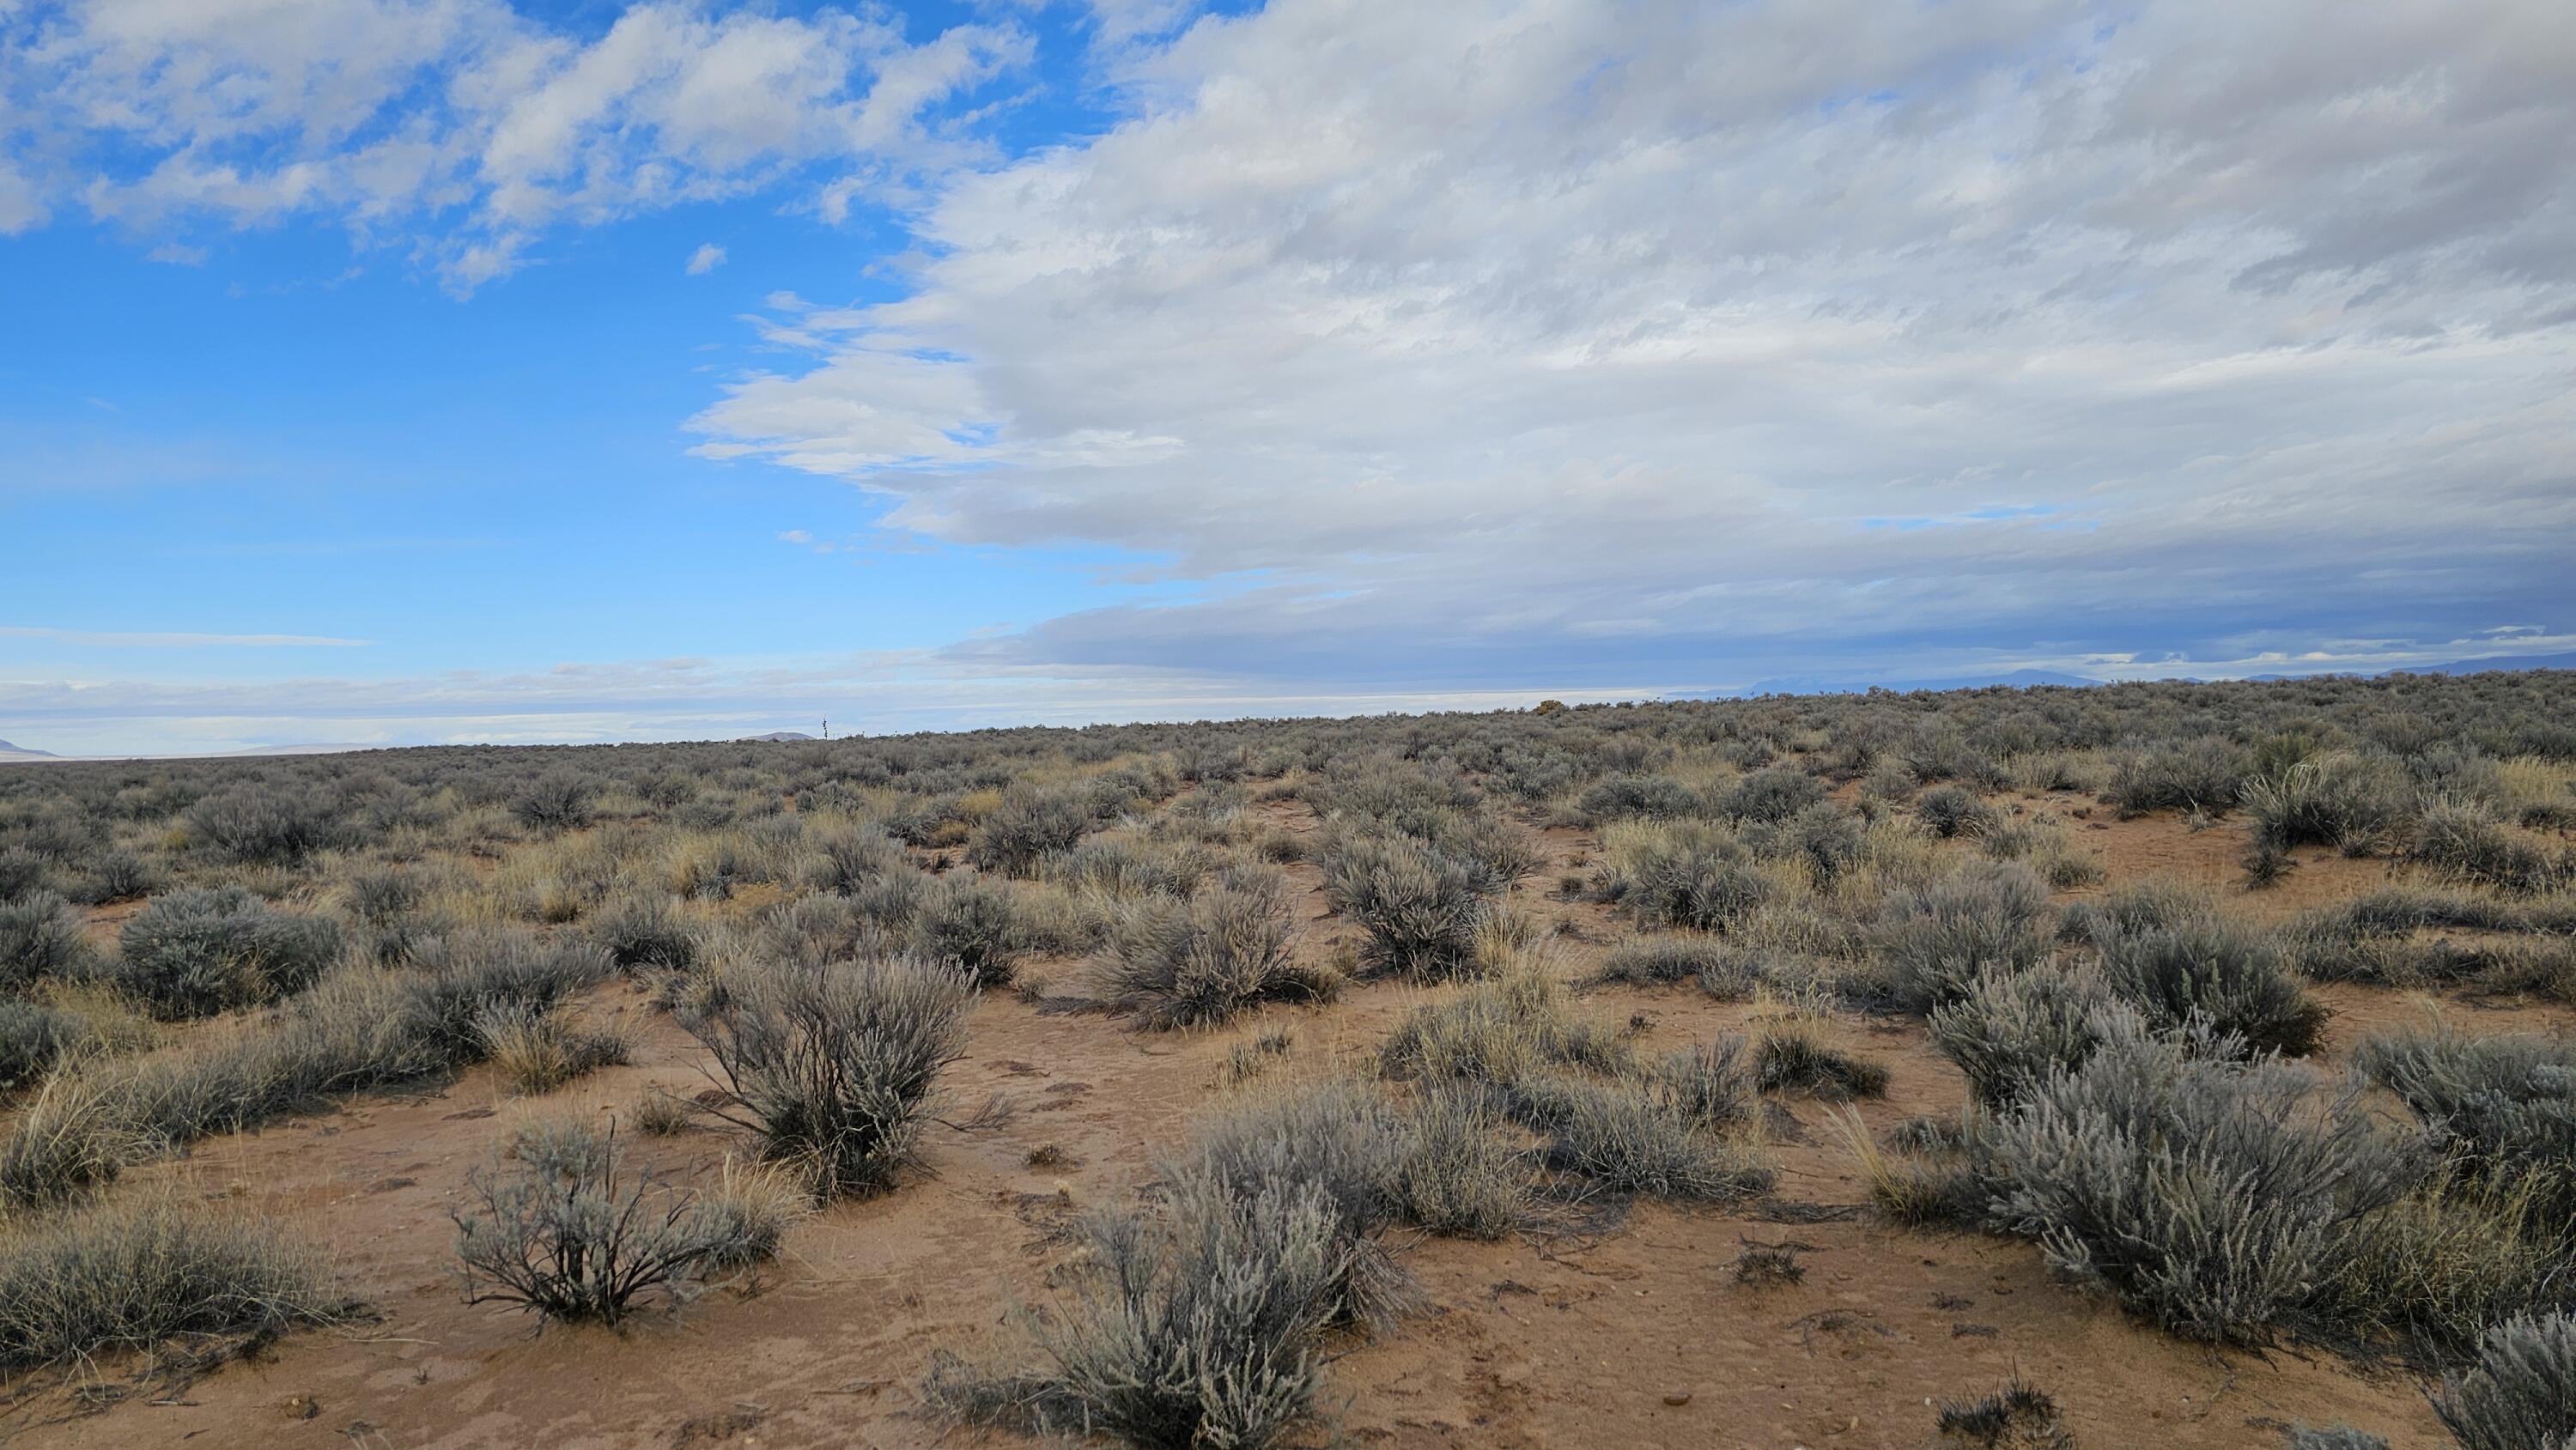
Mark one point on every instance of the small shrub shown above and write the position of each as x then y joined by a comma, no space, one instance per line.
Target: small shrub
2334,1437
1420,907
2009,1030
2521,1393
150,1272
262,825
555,801
1191,1329
1029,824
40,936
1638,1134
2338,800
570,1235
662,1113
2197,775
196,953
1500,1032
1771,795
970,924
1459,1177
1627,797
1769,1265
1788,1056
646,933
1189,963
835,1068
846,858
1933,941
1696,876
2221,974
1949,810
456,980
2462,840
1668,957
2503,1106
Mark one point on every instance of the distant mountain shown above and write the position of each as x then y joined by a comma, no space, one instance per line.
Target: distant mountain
20,752
2500,662
1853,685
781,735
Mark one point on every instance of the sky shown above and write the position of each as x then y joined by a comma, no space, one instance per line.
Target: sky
414,371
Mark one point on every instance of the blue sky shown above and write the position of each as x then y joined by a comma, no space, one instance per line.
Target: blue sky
397,371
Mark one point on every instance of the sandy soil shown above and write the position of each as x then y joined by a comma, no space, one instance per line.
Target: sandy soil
1638,1336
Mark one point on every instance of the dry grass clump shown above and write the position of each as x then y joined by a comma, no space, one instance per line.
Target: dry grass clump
149,1273
1177,963
1665,1129
1664,958
569,1234
1790,1054
538,1051
2020,1416
836,1068
356,1029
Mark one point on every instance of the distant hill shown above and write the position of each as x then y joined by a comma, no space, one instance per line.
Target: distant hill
20,752
2500,662
781,735
1856,684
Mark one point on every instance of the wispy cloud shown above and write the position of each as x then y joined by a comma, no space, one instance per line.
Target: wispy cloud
175,639
705,259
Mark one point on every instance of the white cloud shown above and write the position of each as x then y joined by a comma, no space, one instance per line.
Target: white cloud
1515,330
462,125
706,259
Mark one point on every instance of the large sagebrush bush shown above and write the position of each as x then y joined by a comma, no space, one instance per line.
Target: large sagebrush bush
195,953
836,1068
2504,1106
2211,1194
2228,976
